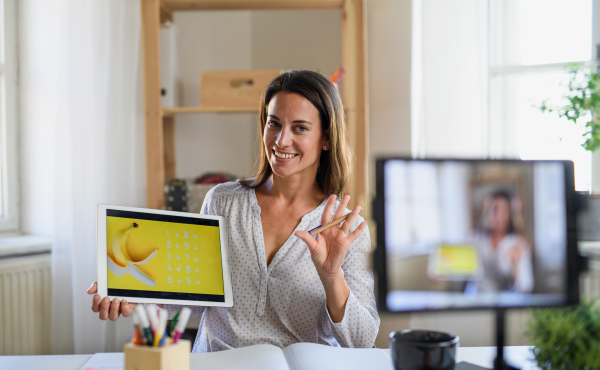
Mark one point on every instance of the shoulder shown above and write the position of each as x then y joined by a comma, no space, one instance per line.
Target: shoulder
227,189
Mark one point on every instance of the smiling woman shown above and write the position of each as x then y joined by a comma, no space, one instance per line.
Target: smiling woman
313,93
289,287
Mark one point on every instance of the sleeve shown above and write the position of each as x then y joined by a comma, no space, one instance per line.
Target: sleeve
208,208
210,205
524,281
360,323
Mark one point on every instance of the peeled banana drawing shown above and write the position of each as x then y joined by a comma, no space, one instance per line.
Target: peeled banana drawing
123,264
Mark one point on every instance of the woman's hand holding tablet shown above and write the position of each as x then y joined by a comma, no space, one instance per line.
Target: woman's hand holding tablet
107,309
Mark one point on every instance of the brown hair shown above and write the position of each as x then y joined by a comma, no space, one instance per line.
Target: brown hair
335,164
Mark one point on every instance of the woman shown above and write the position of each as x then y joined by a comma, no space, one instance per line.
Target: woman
288,286
505,255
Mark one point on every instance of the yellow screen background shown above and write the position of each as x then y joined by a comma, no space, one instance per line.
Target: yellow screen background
202,265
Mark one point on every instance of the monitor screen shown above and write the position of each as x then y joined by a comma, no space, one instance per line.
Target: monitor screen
472,234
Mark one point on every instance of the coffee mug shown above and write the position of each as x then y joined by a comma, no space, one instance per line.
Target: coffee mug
423,350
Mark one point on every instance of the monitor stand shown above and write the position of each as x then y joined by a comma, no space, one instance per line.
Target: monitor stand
499,363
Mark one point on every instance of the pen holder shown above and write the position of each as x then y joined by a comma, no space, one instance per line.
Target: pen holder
173,357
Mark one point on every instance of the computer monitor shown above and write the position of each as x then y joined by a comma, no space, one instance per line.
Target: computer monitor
471,234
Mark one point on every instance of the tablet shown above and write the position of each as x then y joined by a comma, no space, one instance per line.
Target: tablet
156,256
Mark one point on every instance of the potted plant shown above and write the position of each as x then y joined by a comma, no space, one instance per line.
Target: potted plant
582,104
566,338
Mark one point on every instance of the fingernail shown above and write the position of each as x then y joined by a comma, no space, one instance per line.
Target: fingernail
96,298
123,302
105,300
116,300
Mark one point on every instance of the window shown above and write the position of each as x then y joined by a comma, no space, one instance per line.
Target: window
531,42
9,191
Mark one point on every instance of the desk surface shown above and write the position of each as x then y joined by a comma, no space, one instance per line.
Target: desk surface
482,356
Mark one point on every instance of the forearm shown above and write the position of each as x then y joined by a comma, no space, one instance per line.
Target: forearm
337,292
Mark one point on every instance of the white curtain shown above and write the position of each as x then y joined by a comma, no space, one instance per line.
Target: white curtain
450,78
99,154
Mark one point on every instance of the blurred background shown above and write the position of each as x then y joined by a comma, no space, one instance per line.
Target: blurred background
81,122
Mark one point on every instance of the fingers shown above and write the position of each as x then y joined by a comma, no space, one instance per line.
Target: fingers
113,314
350,220
308,239
93,289
326,218
104,307
342,207
353,235
127,308
96,303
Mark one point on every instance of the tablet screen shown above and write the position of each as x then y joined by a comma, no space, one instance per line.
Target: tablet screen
163,256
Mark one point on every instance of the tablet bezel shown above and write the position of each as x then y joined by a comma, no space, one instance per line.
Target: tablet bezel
102,268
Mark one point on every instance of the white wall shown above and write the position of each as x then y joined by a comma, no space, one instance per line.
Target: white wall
213,40
389,72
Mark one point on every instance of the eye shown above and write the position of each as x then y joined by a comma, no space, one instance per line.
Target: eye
272,124
302,128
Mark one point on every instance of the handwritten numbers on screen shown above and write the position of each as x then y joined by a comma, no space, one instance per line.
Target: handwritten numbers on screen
177,258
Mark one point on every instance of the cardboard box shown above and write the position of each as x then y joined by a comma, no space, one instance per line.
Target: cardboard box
173,357
234,89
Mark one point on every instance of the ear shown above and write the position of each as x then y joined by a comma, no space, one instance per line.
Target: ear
326,144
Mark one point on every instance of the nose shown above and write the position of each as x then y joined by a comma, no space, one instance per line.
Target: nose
284,138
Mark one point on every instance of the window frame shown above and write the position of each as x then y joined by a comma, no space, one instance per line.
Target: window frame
499,142
9,156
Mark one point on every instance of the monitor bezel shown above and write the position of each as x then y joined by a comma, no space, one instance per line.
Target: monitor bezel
379,255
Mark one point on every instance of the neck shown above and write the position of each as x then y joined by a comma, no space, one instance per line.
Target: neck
294,189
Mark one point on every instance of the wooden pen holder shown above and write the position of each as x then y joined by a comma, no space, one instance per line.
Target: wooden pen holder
173,357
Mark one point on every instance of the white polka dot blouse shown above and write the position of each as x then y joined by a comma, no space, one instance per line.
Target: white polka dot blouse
282,303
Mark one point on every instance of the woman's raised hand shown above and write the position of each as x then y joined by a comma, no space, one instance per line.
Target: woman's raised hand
330,247
107,309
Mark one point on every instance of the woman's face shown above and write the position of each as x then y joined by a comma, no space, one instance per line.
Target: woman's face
293,137
500,215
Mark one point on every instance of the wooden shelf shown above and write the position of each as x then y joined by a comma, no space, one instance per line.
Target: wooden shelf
160,123
251,4
168,112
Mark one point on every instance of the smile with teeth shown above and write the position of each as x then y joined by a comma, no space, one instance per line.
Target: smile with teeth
283,155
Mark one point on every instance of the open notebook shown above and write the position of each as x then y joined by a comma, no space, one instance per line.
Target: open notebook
299,356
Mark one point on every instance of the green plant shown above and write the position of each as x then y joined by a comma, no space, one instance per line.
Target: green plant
566,338
583,104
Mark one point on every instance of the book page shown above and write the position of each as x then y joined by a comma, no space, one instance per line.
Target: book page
258,357
310,356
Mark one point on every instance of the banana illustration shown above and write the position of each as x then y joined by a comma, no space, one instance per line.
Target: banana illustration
123,264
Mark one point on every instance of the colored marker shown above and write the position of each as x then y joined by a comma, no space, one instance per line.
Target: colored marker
160,334
173,322
181,323
143,317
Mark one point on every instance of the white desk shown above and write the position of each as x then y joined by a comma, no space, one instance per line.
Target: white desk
481,356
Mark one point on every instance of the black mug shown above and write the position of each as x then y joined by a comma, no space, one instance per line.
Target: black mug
423,350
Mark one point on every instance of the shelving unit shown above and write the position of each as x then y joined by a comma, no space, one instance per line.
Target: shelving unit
160,123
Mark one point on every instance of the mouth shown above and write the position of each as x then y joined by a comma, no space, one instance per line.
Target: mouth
284,155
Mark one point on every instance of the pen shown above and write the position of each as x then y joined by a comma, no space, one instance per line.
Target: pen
141,313
181,323
322,228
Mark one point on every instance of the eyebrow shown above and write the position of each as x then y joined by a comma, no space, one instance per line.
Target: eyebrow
296,121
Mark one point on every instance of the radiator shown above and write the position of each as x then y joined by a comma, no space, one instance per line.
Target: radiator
25,305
